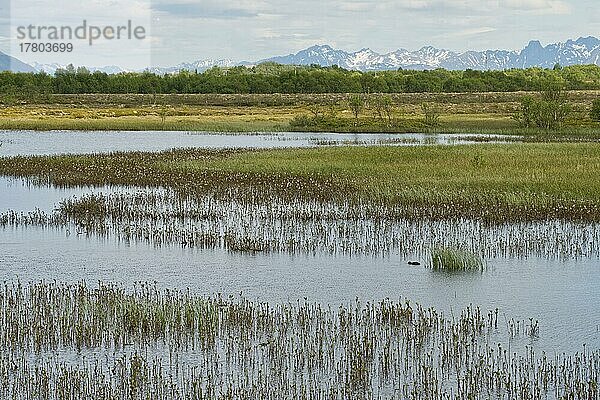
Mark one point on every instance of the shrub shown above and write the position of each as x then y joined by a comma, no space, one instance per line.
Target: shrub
431,114
595,113
549,110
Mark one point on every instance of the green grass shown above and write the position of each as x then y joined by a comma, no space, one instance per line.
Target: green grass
535,180
516,170
139,124
496,182
229,119
455,260
102,342
459,113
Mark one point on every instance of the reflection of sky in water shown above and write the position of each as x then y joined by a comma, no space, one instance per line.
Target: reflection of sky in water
563,296
20,196
61,142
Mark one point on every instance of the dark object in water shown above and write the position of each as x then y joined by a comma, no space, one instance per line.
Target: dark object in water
414,263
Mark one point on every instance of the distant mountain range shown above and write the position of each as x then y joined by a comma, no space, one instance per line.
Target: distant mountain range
8,63
51,68
200,66
572,52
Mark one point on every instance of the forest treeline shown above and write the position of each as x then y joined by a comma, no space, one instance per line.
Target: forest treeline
274,78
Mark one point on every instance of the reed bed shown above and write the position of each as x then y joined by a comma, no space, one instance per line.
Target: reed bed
64,341
164,217
495,183
185,170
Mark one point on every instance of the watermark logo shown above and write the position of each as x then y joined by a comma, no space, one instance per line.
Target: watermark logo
84,32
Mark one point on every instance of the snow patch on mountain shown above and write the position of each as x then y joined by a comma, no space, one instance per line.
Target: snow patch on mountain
573,52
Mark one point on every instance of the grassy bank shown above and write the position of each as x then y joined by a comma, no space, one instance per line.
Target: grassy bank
219,119
495,182
517,173
461,112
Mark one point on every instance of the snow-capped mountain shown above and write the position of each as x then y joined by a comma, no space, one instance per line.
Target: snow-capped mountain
572,52
53,67
8,63
199,66
318,55
580,51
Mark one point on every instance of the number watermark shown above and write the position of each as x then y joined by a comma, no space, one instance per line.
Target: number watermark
47,47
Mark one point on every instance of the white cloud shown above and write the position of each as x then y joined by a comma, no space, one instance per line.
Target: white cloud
67,17
538,6
185,30
416,4
489,6
471,31
357,6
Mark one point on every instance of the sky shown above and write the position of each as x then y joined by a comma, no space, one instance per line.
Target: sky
183,31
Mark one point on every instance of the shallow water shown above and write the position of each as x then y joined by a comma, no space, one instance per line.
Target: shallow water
564,295
63,142
165,217
20,196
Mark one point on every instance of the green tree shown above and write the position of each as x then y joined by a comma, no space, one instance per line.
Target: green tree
384,106
548,110
431,114
356,103
525,116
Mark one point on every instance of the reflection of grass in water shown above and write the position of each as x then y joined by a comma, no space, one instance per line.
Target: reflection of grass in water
498,183
236,222
148,343
454,260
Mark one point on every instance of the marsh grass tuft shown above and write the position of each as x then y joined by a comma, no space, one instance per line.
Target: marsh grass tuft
455,260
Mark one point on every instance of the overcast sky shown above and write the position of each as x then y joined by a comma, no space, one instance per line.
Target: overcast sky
182,30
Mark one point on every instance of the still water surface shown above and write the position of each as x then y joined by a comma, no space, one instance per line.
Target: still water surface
564,295
83,142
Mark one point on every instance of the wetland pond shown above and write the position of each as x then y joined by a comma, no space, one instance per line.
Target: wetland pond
542,274
13,143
